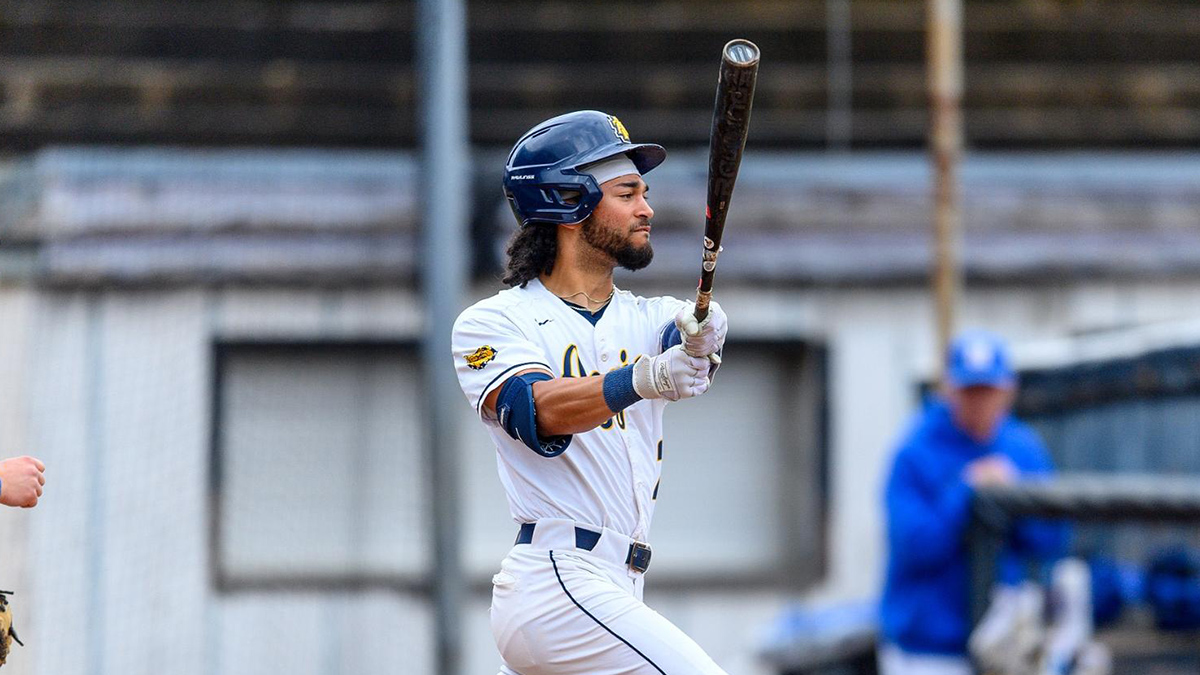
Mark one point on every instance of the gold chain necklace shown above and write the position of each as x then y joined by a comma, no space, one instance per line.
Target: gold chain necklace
590,298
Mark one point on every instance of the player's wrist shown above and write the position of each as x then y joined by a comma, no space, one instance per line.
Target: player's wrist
619,389
642,371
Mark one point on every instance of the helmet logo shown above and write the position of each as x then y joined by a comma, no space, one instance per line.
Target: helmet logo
619,129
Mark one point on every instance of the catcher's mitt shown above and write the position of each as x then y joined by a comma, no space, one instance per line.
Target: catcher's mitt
7,633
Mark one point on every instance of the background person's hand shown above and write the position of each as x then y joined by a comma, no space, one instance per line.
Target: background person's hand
21,481
991,471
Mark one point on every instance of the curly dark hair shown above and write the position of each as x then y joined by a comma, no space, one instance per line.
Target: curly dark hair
531,251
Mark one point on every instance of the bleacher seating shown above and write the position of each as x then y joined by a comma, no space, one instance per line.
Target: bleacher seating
1039,73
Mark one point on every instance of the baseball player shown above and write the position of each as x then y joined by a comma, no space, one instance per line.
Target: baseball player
570,376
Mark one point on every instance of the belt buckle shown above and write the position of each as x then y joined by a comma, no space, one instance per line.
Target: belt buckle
639,556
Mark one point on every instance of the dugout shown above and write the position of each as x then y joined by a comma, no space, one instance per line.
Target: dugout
1120,413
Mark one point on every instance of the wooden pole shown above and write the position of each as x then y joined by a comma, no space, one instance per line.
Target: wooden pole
839,127
944,43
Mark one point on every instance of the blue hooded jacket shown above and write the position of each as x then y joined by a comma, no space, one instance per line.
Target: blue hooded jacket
925,604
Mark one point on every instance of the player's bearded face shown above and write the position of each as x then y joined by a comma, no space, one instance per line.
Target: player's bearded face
620,225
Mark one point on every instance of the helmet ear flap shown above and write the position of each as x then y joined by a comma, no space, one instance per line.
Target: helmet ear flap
562,196
584,200
512,204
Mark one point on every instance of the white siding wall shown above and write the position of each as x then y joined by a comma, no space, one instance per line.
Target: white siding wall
15,560
112,390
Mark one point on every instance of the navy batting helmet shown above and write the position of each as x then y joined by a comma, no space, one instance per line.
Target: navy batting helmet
542,179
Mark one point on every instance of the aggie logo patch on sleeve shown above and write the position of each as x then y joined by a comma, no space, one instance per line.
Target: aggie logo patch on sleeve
479,358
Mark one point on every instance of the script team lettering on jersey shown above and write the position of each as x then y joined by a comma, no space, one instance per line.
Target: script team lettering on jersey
573,367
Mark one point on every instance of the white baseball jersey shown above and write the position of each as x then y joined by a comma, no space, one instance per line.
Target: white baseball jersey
608,477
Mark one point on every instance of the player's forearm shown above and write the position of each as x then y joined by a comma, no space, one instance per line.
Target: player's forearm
570,405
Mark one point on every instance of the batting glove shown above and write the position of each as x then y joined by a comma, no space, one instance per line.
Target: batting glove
703,338
673,375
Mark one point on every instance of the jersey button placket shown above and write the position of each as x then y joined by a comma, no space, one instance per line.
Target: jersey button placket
635,482
640,531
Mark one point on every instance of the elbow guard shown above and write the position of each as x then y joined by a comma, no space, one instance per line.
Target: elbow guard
517,415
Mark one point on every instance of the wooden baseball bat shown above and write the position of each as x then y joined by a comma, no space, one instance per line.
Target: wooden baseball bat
726,142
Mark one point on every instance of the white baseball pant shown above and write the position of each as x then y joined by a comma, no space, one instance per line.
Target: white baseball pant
559,610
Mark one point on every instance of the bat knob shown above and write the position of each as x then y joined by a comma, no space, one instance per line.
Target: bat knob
741,52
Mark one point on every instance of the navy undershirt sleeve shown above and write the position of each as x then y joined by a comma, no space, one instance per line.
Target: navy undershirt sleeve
518,416
668,337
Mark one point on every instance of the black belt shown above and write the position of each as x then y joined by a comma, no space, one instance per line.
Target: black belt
638,557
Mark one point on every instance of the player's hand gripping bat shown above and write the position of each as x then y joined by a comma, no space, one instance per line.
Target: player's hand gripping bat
727,140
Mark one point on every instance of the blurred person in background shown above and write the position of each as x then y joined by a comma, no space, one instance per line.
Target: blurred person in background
963,440
21,481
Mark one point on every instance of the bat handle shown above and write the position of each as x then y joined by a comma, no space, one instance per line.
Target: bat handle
703,299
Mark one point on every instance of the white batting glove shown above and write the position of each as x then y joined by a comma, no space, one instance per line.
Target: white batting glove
673,375
703,338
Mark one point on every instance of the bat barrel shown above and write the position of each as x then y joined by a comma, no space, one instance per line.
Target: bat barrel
727,140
